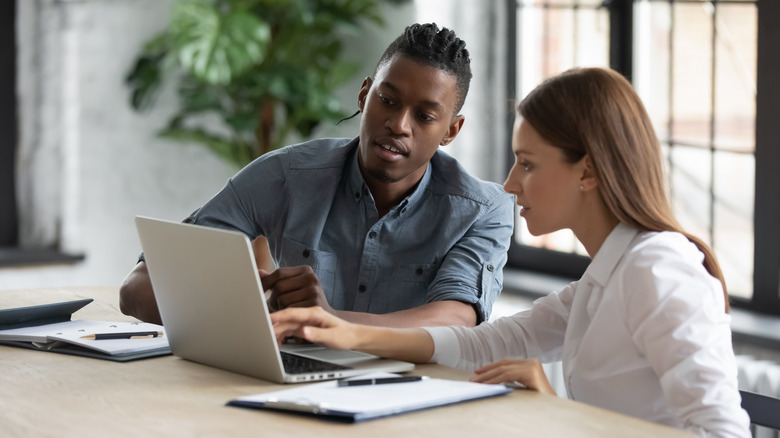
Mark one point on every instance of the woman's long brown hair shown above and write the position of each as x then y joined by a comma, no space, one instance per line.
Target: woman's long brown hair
596,112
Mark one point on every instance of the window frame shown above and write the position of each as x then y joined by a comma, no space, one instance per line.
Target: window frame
12,254
766,215
9,227
766,281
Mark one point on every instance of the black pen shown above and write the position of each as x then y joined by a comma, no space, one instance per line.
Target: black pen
379,380
125,335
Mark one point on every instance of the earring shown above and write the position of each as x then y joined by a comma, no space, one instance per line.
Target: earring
582,188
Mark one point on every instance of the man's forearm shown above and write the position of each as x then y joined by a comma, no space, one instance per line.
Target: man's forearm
136,296
440,313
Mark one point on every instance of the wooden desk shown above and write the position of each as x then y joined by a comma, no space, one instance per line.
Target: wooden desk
47,394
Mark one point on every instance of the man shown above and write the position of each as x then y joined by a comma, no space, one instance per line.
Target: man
382,229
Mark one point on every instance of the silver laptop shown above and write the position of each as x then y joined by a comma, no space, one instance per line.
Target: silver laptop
213,308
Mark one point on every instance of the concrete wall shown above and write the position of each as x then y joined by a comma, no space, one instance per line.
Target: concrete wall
89,163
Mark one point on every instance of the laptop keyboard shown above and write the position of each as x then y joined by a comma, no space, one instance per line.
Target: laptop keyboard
294,364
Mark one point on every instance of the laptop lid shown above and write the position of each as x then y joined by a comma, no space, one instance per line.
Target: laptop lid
213,307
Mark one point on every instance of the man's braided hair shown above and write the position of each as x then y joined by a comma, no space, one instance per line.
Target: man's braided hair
442,49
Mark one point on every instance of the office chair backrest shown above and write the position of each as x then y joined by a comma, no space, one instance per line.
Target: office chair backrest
763,410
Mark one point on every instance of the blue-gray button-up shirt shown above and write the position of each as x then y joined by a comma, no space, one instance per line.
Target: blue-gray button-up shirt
448,240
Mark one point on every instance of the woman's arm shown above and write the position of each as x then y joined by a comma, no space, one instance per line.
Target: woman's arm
314,324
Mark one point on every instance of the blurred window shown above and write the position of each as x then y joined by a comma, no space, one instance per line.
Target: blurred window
695,65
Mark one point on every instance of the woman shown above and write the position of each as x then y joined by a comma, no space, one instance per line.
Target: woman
645,331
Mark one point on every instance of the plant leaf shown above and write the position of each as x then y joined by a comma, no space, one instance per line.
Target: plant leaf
147,74
216,47
233,58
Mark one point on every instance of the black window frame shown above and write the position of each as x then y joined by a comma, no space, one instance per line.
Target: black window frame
8,126
766,275
11,253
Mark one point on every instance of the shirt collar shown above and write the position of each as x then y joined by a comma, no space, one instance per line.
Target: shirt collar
610,253
360,189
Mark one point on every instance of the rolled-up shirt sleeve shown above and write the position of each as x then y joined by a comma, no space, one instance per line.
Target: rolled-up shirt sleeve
472,271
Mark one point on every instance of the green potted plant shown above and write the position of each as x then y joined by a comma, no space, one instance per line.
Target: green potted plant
266,68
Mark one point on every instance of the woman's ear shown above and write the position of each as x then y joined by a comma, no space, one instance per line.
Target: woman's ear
588,180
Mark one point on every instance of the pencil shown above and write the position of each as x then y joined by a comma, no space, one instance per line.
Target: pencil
124,335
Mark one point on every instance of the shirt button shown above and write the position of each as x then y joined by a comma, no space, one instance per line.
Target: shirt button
490,268
362,288
357,195
419,271
372,234
306,253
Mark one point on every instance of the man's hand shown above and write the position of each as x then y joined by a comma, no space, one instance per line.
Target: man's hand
295,286
136,297
528,372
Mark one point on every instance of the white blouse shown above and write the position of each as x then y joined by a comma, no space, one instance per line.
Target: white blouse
643,333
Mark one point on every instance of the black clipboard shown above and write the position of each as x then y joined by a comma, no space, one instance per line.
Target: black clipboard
30,316
45,314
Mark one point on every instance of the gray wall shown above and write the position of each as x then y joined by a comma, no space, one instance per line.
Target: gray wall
87,162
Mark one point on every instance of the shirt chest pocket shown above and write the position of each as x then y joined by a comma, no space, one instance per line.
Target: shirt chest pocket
324,264
409,284
422,274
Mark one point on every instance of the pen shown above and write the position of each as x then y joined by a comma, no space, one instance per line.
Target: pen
125,335
379,381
